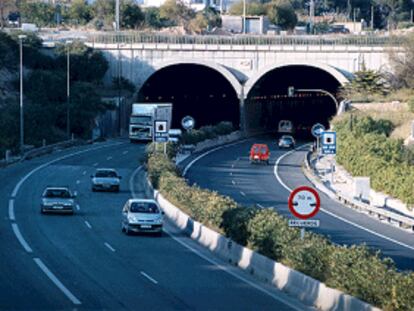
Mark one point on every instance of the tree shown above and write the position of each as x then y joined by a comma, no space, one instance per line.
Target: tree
281,12
403,64
5,5
153,18
80,12
104,12
206,19
395,10
131,16
177,12
252,8
41,14
366,83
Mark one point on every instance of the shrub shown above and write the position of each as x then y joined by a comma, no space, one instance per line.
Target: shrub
235,221
207,132
411,104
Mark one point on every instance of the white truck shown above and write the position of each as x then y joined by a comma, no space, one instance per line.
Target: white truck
143,116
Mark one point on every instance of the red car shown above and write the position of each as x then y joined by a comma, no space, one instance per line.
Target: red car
259,153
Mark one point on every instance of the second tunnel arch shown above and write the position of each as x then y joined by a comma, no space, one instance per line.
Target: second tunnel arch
266,98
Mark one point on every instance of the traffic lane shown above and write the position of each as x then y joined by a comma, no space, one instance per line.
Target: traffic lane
403,256
55,236
198,285
88,265
260,187
23,285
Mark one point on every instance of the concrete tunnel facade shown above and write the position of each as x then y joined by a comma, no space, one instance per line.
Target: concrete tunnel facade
222,92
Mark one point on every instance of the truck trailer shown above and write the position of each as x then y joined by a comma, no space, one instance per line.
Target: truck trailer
143,116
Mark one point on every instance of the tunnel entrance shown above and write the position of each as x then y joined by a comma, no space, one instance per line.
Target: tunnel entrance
195,90
269,101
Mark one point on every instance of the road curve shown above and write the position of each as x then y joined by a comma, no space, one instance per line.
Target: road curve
55,262
228,171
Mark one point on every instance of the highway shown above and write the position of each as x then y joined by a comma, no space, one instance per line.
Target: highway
85,262
228,171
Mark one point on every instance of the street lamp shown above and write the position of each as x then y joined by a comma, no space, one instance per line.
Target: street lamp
68,43
244,16
21,38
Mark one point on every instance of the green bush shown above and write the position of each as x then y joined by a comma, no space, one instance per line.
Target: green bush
411,104
235,223
365,149
207,132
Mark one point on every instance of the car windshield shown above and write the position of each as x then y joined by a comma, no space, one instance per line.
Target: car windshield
105,174
57,193
287,138
144,207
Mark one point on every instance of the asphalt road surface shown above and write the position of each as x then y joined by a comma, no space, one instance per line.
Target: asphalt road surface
85,262
228,171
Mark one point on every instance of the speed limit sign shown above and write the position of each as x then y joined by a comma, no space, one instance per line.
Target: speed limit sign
304,202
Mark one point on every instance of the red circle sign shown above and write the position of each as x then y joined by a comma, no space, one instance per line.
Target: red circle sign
304,202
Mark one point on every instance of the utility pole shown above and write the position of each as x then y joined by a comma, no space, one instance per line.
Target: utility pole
21,38
117,15
68,43
372,17
244,16
311,15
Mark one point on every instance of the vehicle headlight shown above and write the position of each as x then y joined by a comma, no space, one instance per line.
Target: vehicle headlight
132,219
158,220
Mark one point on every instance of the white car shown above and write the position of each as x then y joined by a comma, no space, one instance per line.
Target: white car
142,215
106,179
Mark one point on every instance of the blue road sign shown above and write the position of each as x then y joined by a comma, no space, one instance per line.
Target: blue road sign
161,131
329,143
317,130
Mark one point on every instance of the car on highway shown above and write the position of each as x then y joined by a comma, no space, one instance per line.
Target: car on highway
259,153
106,179
286,141
142,215
57,200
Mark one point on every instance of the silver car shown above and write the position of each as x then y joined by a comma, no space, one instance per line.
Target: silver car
106,179
142,215
286,141
57,200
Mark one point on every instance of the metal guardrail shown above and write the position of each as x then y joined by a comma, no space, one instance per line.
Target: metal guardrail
155,38
379,213
50,148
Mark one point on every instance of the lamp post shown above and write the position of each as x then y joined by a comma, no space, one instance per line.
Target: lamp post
244,16
21,38
68,43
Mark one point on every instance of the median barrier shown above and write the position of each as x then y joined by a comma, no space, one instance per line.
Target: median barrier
304,288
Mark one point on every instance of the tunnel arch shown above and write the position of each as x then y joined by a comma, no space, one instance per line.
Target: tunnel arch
315,99
206,90
224,71
334,72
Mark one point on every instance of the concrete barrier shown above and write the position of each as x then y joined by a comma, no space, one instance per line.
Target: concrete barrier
304,288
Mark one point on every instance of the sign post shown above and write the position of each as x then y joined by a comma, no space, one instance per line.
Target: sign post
161,133
317,130
304,203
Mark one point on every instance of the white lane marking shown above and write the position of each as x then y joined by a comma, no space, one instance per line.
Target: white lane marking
12,217
260,205
78,182
84,173
232,166
109,158
131,181
239,277
148,277
96,164
21,181
21,239
233,182
88,224
279,179
125,152
231,174
56,281
242,193
109,246
78,207
208,152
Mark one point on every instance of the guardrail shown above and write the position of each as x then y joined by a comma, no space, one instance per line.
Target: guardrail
379,213
50,148
154,38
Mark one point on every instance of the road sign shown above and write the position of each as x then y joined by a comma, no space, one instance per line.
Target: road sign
304,202
188,123
329,143
317,130
160,131
304,223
